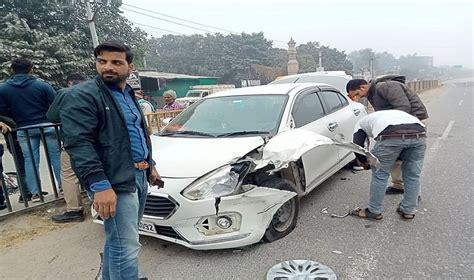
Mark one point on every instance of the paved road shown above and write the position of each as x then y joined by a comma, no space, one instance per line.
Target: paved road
439,243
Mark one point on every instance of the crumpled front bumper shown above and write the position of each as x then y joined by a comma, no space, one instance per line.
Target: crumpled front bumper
194,223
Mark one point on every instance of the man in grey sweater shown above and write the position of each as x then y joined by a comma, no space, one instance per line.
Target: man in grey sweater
388,94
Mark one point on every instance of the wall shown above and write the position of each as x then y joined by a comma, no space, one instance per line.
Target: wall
418,86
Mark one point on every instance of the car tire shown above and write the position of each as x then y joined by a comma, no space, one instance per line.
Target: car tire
289,211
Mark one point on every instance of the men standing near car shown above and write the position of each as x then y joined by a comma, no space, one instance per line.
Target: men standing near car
398,135
106,138
385,95
71,186
26,100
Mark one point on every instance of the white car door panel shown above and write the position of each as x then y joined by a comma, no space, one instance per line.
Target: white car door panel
308,114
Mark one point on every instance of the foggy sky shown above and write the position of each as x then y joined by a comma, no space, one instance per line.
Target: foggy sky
439,28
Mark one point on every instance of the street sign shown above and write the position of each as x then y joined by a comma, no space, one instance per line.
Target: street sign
134,80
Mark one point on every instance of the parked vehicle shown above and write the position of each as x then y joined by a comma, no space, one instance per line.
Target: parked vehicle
199,92
337,79
236,163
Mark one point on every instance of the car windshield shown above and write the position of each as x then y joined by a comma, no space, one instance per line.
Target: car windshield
194,93
229,116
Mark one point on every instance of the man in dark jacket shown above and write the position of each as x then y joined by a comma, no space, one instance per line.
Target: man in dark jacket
387,95
26,100
71,186
105,135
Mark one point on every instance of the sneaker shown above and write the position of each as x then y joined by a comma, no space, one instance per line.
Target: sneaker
68,217
35,198
392,190
357,168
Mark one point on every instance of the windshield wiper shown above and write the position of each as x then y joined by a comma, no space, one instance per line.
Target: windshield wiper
244,132
188,132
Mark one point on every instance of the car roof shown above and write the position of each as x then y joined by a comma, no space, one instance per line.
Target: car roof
323,73
284,89
337,79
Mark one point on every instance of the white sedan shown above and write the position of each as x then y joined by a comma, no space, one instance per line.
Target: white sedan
235,163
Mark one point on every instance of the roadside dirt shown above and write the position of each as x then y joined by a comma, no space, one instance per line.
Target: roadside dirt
23,227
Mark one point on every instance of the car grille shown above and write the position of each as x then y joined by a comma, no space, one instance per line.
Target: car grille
161,207
168,232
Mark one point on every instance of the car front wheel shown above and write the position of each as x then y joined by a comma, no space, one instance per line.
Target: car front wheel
285,218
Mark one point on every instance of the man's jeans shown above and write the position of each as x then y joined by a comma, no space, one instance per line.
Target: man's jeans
54,155
121,233
412,153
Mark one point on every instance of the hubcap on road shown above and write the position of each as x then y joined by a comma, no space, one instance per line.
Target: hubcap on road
300,270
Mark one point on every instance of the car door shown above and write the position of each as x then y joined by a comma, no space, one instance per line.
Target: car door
308,113
344,115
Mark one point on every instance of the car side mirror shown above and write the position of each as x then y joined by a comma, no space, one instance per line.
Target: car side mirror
165,121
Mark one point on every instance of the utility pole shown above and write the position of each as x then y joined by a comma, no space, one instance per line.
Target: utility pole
320,68
372,69
90,20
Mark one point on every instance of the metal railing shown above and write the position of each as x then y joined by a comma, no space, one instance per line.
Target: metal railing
154,120
15,181
11,185
418,86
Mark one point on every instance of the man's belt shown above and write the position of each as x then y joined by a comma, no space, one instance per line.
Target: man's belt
401,136
141,165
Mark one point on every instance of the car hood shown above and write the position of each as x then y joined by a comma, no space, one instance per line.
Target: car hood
186,157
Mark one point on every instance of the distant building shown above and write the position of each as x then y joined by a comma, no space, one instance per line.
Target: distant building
422,62
155,83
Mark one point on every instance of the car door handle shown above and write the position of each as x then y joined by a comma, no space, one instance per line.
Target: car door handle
356,112
332,126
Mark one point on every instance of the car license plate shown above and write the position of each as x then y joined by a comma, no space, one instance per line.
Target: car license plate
148,227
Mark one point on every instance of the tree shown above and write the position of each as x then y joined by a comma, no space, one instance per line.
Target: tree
230,57
332,59
53,57
361,60
385,63
59,29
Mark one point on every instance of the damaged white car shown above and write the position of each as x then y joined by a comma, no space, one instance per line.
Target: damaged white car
236,163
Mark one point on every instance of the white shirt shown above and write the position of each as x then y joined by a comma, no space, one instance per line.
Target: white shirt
376,122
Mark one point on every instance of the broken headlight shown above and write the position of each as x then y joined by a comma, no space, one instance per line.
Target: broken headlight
220,182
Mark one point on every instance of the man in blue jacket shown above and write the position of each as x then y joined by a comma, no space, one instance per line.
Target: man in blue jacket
26,100
106,137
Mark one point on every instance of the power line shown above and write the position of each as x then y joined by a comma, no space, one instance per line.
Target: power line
161,29
192,22
188,21
169,21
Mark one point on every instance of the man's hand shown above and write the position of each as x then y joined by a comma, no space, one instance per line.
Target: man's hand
155,177
105,203
4,128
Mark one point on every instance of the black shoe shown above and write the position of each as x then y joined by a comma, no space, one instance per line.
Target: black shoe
68,217
143,278
392,190
3,205
28,196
